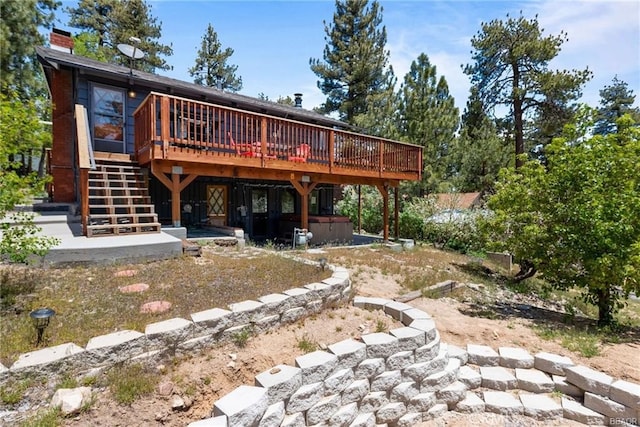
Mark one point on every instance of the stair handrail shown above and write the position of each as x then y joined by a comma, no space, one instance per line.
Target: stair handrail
86,161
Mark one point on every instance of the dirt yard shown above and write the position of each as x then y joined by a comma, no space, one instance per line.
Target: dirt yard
190,385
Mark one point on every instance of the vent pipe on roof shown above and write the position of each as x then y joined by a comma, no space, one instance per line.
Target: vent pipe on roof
61,40
298,100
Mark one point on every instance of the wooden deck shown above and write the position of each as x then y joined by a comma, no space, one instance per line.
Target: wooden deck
207,139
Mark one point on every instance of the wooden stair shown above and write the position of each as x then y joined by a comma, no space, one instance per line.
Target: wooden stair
119,201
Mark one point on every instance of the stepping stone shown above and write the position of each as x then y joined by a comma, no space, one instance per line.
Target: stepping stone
564,387
626,393
573,410
551,363
540,407
534,381
589,380
500,402
469,377
471,404
125,273
497,378
513,357
456,352
135,288
155,307
614,410
482,355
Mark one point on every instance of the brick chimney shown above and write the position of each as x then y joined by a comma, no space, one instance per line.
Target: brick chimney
61,40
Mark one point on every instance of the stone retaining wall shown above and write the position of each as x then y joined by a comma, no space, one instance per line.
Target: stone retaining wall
407,376
176,336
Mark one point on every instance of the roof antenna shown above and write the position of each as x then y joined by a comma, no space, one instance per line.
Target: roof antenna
132,52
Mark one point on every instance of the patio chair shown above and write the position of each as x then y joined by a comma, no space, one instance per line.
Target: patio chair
301,154
248,149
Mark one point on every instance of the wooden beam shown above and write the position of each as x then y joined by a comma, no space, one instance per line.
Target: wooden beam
188,180
303,188
160,174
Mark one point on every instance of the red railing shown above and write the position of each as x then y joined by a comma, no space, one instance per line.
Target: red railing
169,123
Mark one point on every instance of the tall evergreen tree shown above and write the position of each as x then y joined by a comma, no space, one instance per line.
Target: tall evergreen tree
355,59
511,68
211,67
429,118
93,16
616,100
480,152
381,116
19,35
115,22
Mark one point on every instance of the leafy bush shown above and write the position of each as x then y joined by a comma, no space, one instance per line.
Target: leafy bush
371,207
412,218
459,235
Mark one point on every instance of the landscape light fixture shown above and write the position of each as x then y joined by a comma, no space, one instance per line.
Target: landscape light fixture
322,262
41,318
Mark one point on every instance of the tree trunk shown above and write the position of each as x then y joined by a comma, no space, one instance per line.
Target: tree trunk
527,269
605,306
517,116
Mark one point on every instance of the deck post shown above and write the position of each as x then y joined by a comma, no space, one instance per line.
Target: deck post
303,188
396,215
175,199
384,190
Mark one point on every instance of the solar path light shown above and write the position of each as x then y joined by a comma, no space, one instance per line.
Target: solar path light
41,319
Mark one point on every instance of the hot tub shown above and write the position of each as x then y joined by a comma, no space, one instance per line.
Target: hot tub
325,228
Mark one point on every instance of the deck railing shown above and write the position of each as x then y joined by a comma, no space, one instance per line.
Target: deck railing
168,123
86,161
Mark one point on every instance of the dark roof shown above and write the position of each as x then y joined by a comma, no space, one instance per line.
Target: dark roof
55,58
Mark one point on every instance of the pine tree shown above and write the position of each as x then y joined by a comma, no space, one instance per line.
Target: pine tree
19,35
117,21
355,60
615,101
511,68
211,68
94,16
429,118
480,152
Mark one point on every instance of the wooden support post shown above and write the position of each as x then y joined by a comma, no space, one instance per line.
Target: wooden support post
396,215
176,186
84,197
175,199
304,220
383,188
304,188
359,209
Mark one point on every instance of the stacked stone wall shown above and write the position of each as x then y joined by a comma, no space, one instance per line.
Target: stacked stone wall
179,336
408,376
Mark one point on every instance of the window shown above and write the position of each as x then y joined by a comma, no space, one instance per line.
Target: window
258,201
287,203
108,111
314,202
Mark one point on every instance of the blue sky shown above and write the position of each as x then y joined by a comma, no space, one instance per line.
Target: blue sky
273,40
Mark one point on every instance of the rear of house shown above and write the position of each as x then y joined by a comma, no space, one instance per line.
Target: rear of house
138,151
